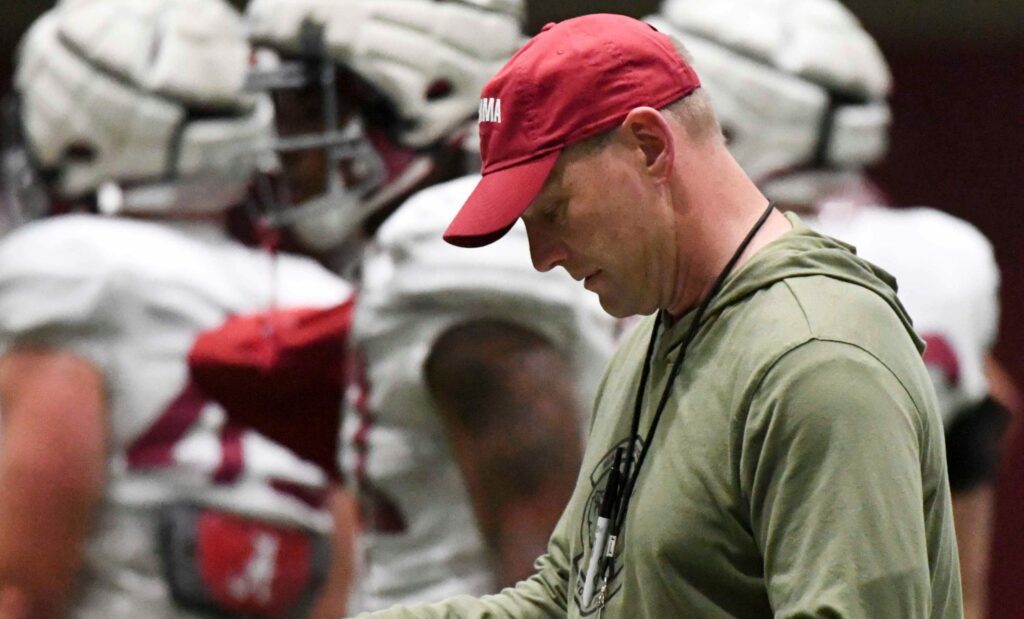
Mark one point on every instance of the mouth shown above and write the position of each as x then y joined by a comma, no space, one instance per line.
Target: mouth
589,279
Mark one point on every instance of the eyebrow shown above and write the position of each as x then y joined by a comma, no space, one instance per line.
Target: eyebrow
554,187
548,198
553,190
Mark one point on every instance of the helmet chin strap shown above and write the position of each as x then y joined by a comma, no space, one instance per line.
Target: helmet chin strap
199,199
331,219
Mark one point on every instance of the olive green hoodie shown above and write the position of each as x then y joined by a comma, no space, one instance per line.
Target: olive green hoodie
798,471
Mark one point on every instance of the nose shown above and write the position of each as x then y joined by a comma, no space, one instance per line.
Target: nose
546,250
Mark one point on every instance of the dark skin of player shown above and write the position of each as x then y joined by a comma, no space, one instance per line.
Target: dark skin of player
514,418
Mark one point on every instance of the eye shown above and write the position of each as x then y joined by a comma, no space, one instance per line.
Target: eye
554,210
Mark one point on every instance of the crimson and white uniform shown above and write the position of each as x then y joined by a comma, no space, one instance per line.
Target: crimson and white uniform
948,281
170,314
422,541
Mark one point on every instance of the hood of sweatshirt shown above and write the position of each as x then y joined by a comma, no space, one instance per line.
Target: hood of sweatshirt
801,252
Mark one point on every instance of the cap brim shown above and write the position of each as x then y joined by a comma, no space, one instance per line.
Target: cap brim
498,200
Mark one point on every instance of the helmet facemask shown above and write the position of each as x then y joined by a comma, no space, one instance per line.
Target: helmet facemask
338,167
407,79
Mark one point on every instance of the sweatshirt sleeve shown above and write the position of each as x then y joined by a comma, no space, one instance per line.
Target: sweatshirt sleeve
830,464
542,596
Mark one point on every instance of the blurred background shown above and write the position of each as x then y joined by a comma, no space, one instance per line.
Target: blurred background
958,135
958,105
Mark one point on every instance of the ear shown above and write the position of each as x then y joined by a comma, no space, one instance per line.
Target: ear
647,130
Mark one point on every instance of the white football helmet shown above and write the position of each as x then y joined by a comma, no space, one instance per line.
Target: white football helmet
138,107
799,87
409,72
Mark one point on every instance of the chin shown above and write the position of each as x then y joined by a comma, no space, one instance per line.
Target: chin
616,310
625,310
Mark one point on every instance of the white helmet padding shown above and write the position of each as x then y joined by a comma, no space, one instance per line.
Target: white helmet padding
420,66
429,59
145,95
796,83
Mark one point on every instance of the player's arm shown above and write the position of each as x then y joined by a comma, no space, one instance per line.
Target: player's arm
1006,546
52,472
973,449
508,399
1002,387
333,601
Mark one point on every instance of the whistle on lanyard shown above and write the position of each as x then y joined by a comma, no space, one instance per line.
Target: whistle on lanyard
604,516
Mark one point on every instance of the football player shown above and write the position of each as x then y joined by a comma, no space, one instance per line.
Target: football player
802,90
463,433
169,398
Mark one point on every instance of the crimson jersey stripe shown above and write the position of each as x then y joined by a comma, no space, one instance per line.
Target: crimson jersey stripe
232,455
154,448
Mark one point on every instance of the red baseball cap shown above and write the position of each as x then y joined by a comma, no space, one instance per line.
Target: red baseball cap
574,80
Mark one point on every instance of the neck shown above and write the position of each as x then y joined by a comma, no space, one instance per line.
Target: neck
714,213
801,209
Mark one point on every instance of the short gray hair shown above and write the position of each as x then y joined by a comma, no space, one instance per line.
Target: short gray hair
692,112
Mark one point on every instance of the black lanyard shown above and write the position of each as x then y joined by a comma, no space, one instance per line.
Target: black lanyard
629,477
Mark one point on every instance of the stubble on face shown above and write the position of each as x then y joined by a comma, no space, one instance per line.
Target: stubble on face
619,228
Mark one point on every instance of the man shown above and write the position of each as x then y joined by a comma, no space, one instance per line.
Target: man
768,444
474,372
774,76
168,397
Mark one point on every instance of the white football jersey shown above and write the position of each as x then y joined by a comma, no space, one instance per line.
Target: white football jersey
147,303
947,279
422,542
